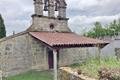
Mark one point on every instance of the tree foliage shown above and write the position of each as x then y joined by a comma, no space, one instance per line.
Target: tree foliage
2,28
111,29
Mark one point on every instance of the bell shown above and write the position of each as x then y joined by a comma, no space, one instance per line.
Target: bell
45,8
57,2
46,5
56,6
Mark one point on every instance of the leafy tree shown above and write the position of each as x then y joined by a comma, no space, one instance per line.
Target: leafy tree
98,31
2,28
117,29
91,34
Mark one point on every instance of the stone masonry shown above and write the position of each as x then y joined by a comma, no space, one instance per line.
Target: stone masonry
21,52
44,23
15,55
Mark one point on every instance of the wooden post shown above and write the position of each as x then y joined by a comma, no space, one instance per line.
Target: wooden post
55,64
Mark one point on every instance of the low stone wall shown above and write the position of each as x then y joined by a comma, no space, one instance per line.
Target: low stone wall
66,73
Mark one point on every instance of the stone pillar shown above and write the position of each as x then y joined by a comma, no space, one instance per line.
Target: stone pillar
55,64
51,10
38,7
62,12
62,9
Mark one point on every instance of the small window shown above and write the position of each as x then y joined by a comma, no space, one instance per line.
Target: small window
52,26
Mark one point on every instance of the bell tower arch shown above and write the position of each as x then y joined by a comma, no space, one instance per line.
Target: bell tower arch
50,22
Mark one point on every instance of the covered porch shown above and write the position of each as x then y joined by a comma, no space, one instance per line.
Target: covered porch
55,41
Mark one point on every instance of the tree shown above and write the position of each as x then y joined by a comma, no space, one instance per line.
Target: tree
97,31
2,28
112,29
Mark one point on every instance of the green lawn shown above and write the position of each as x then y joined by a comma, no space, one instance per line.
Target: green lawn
91,66
33,75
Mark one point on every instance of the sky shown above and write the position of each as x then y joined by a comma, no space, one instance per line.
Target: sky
82,13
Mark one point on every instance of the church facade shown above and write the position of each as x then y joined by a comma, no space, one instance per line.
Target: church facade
22,52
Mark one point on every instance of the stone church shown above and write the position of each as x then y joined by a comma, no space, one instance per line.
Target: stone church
29,49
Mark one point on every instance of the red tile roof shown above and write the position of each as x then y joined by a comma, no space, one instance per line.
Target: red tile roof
66,39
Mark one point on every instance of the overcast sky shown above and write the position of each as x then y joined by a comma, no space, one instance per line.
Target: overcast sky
82,13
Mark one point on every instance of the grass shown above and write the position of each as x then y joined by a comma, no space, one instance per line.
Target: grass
91,66
33,75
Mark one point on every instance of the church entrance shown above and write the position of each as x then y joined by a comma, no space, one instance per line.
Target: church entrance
51,59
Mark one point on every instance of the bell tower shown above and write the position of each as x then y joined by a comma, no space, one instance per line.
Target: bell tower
50,22
62,9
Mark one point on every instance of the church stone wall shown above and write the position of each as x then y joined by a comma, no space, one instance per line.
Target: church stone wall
21,53
43,24
40,56
15,56
76,55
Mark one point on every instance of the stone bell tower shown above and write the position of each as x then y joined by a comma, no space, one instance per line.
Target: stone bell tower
50,22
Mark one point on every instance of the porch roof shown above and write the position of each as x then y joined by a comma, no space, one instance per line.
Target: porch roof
67,40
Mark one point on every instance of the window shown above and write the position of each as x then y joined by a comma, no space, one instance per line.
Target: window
52,26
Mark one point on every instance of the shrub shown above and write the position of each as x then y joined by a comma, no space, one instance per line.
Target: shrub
109,74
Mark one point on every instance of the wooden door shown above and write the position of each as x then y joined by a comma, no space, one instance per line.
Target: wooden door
50,59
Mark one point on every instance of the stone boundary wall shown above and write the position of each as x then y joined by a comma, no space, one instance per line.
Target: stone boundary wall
66,73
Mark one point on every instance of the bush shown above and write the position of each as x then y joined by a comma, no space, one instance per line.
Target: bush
109,74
